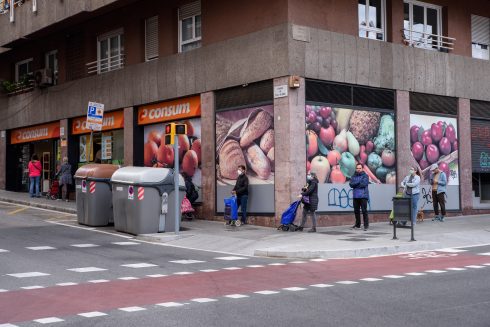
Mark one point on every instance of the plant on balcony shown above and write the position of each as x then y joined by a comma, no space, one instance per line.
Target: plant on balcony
12,87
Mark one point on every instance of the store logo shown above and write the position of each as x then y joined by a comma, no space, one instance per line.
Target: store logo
32,134
169,111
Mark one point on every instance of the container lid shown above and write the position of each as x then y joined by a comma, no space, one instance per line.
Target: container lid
96,171
145,176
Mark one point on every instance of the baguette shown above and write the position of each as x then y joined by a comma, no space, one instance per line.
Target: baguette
230,157
255,127
258,161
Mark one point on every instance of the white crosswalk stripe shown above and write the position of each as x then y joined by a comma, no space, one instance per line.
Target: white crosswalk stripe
66,284
92,314
475,266
35,287
170,304
321,285
415,274
371,279
393,276
126,243
28,274
132,309
203,300
139,265
236,296
457,269
84,245
435,271
294,289
4,251
347,282
40,248
49,320
231,258
266,292
187,262
86,269
450,250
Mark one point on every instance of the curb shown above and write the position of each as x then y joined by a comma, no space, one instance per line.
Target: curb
40,205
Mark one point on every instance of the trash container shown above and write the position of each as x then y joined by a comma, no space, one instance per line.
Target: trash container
402,209
93,194
144,200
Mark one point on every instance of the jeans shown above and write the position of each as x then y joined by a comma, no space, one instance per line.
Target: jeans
242,203
34,186
361,204
304,217
439,199
415,206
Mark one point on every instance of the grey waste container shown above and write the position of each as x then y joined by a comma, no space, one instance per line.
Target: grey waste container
93,194
144,198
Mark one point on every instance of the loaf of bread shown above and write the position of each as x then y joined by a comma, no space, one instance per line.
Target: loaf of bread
230,157
270,155
267,141
258,161
256,126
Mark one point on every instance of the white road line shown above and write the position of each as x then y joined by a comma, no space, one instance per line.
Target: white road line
208,270
40,248
139,265
186,262
86,269
371,279
416,274
232,268
28,274
98,281
4,251
183,273
294,289
3,291
393,276
475,266
451,250
35,287
8,325
126,243
49,320
92,314
231,258
236,296
84,245
436,271
156,275
266,292
347,282
297,262
203,300
456,269
132,309
486,264
66,284
255,266
169,304
321,285
318,260
128,278
486,253
277,264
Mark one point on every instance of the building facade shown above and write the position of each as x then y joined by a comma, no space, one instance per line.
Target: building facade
281,86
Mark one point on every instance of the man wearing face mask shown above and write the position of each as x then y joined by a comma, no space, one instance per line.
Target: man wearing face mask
241,192
360,183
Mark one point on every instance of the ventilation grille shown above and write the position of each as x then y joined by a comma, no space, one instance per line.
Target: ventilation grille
256,93
433,103
480,109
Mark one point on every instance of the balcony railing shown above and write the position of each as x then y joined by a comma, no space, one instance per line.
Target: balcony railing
23,86
105,65
428,41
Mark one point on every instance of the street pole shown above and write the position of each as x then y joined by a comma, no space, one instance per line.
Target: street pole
176,184
90,145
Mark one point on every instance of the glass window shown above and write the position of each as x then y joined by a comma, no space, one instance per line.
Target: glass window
110,52
51,62
371,17
23,69
480,37
421,25
190,31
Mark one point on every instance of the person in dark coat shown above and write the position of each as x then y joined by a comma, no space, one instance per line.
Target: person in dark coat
190,188
309,196
241,192
65,178
360,183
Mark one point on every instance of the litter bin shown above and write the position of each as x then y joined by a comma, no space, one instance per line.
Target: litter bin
144,198
93,194
402,211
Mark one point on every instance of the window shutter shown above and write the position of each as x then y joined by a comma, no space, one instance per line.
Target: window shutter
480,29
189,10
151,38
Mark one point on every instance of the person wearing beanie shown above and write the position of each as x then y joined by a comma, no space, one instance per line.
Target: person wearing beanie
438,181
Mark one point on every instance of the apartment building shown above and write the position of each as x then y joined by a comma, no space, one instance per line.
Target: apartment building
281,86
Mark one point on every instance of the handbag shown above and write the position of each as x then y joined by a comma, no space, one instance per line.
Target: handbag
305,199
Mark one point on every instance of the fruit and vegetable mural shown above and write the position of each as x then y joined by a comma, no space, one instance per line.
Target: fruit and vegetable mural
339,138
159,154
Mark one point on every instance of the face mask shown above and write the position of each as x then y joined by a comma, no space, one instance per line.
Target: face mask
239,172
309,177
412,171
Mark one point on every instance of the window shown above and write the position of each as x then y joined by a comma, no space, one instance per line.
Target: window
371,15
480,37
151,38
422,25
190,26
110,51
51,62
23,69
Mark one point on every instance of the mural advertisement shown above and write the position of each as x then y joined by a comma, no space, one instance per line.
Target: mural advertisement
339,138
246,137
434,140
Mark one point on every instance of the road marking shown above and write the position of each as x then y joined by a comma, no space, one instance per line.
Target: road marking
451,250
486,253
297,262
66,284
8,325
132,309
156,275
256,266
17,211
203,300
86,269
40,248
128,278
486,264
3,291
321,285
28,274
277,264
318,260
231,258
183,273
84,245
393,276
49,320
232,268
186,262
347,282
415,274
35,287
98,281
139,265
371,279
126,243
92,314
436,271
266,292
4,251
475,266
169,304
208,270
294,289
236,296
456,269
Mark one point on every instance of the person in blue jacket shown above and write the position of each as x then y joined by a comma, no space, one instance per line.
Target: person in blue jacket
360,183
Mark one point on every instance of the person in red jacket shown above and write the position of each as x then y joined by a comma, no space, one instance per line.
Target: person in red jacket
34,176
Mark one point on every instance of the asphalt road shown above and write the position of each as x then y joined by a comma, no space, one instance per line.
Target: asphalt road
56,274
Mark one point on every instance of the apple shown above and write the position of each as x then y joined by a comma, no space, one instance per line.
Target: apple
196,146
312,143
321,167
325,112
340,141
391,178
454,146
432,153
155,136
414,133
363,156
150,153
333,123
451,133
327,135
334,157
417,150
184,146
388,158
369,147
316,126
423,163
426,138
445,146
311,118
443,166
436,133
336,176
165,155
347,164
190,163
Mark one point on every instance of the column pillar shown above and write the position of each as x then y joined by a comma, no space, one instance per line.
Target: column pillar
404,158
3,156
208,155
464,155
128,136
64,131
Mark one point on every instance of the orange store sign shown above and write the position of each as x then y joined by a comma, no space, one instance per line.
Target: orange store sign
170,110
35,133
111,120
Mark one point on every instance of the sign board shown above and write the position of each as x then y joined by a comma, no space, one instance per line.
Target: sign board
95,115
170,110
35,133
62,131
280,91
84,186
131,192
112,120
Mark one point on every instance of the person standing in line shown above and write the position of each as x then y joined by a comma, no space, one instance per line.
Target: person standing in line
65,179
438,180
35,169
359,182
309,196
411,188
241,192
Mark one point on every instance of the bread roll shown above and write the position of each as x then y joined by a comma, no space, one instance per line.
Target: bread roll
267,141
230,157
257,161
256,126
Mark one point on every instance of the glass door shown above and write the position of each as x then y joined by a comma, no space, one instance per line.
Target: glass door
422,24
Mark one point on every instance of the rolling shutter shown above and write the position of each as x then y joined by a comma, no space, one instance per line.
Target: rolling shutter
480,29
151,38
189,10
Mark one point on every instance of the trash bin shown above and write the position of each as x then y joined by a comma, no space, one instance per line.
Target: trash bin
402,209
93,194
144,200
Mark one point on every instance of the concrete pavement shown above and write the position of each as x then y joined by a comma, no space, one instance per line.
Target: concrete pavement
328,242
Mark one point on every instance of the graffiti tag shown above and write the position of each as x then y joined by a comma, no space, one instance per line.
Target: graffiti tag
340,198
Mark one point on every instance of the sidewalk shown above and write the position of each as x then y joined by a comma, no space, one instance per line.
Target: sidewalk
328,242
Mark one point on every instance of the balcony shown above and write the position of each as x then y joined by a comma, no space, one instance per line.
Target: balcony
105,65
427,41
26,84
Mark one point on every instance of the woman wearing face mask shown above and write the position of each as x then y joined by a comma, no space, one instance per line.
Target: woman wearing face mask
309,196
241,192
411,186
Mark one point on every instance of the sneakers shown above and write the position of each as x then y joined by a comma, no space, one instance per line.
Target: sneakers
436,218
299,229
355,227
441,219
313,230
366,228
